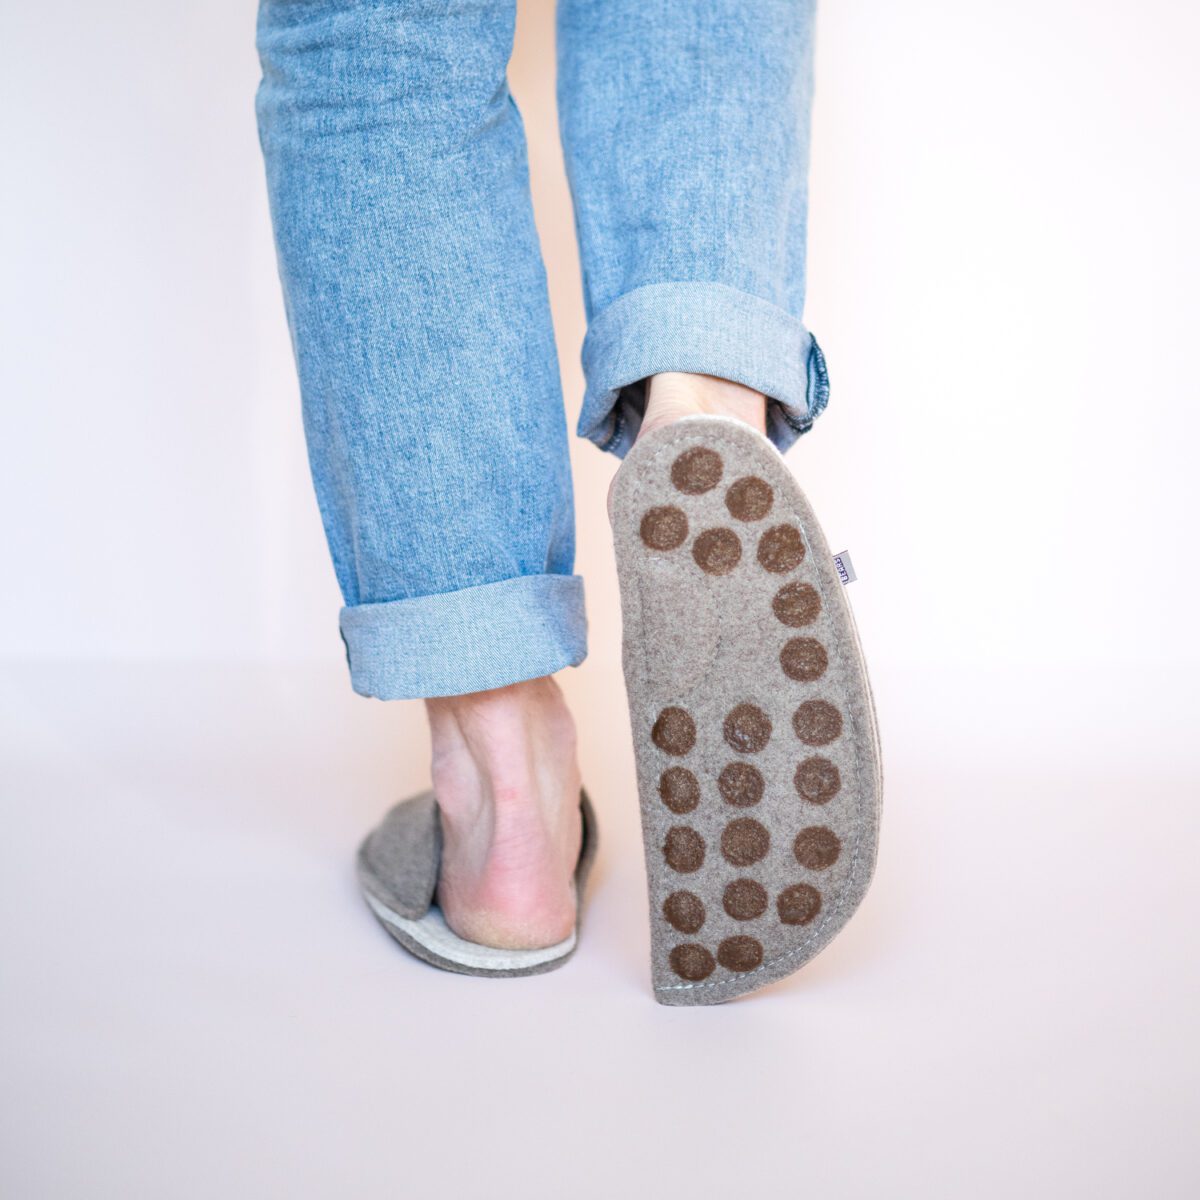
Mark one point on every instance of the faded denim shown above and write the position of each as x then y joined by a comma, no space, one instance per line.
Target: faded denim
416,294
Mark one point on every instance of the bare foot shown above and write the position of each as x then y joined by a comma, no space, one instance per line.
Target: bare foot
675,394
507,782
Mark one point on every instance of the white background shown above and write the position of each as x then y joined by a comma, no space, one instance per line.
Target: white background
1003,275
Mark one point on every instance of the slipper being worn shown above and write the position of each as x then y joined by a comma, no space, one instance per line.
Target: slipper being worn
754,730
398,867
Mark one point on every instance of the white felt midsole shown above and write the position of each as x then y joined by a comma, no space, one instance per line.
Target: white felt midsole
432,932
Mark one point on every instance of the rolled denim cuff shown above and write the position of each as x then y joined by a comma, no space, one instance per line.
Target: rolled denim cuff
705,329
466,641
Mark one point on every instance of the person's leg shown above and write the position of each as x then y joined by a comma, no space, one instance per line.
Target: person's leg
686,133
416,298
685,124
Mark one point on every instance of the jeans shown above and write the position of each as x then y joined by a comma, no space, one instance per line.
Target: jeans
417,302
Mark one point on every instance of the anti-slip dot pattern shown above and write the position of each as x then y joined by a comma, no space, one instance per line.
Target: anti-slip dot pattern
740,953
674,732
740,784
803,658
685,911
747,728
697,470
664,528
760,537
795,604
717,551
679,790
817,847
749,498
745,899
817,780
798,904
817,723
683,849
692,962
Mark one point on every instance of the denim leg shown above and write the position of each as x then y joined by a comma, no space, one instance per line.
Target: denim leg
417,303
685,125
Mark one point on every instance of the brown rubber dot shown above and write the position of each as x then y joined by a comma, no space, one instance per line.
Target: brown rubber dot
683,849
745,841
817,847
781,548
717,551
741,785
674,732
697,470
678,789
803,658
740,953
798,904
817,722
817,780
691,962
664,528
685,910
796,604
749,499
744,900
747,728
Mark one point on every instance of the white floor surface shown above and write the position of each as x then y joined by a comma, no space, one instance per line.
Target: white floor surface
196,1002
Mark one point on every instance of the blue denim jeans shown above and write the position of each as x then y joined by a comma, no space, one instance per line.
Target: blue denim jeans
416,294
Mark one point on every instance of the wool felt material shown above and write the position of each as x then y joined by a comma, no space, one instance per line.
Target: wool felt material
758,763
398,866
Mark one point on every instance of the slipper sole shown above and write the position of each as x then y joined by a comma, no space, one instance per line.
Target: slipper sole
758,764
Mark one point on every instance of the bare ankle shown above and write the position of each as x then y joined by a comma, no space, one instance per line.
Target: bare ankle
499,745
506,779
675,394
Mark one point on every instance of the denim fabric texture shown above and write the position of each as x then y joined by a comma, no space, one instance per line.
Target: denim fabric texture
417,302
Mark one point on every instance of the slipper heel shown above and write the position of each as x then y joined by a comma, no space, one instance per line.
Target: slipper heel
398,866
754,732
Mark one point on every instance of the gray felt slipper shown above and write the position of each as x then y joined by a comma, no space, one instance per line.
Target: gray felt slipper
398,866
754,731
